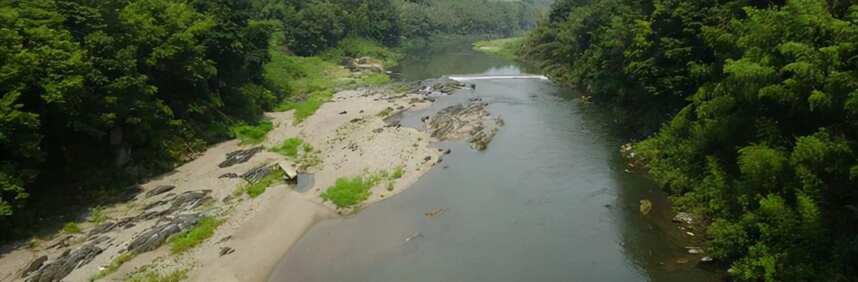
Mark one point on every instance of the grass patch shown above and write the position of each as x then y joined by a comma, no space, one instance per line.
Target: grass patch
504,48
309,82
375,79
154,276
290,147
71,227
299,151
255,189
252,133
195,236
114,265
348,192
306,107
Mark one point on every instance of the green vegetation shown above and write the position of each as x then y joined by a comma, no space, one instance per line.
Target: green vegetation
256,189
252,133
505,48
97,215
93,88
97,95
307,107
421,19
751,115
348,192
191,238
155,276
290,147
71,228
397,173
114,265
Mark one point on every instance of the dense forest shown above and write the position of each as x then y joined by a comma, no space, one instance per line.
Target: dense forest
750,113
99,94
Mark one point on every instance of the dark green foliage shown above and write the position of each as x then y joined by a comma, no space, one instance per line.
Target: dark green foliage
754,111
421,19
119,88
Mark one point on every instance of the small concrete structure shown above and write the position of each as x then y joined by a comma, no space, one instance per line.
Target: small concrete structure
290,174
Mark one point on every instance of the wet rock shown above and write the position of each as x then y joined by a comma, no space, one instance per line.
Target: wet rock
447,152
344,112
160,190
154,237
36,264
470,121
228,175
706,259
226,250
694,250
66,263
240,156
684,217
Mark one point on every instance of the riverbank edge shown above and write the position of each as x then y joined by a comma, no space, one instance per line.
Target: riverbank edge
258,231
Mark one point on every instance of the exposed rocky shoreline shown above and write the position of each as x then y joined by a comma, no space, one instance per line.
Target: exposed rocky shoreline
355,132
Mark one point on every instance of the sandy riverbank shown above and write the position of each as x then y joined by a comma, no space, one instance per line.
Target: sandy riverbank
353,138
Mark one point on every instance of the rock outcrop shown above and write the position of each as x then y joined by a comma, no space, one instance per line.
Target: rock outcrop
240,156
66,263
470,121
153,238
444,86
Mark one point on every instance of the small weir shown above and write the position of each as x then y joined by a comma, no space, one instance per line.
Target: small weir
493,77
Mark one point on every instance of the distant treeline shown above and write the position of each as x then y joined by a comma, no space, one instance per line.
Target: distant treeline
751,113
313,26
97,94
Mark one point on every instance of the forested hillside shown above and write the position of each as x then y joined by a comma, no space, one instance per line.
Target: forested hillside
98,94
751,113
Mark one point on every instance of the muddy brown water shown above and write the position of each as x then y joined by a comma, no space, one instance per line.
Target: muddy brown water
549,199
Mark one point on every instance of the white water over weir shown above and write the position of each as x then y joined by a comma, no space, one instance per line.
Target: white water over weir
488,77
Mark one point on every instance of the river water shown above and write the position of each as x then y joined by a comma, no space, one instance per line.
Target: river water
549,199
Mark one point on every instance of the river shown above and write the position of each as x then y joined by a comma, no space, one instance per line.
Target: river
549,199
